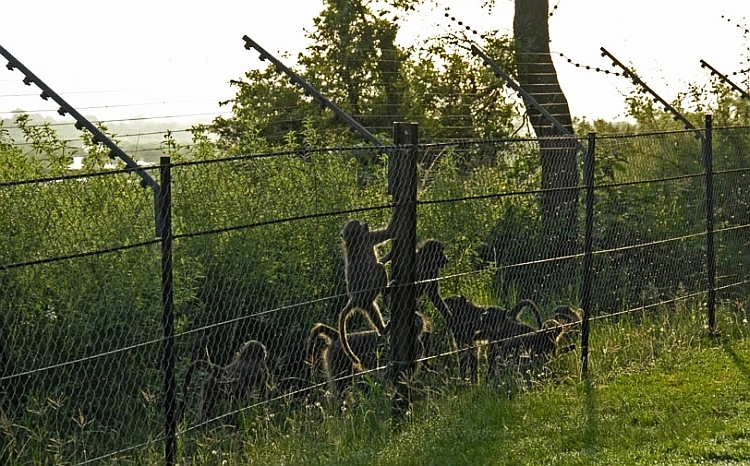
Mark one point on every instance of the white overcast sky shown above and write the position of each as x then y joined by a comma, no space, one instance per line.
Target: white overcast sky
166,58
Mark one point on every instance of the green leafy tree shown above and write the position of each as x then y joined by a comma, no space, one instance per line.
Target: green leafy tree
356,62
55,153
453,95
265,109
14,164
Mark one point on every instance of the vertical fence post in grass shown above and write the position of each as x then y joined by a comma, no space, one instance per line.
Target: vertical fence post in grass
707,156
168,363
402,184
162,209
588,245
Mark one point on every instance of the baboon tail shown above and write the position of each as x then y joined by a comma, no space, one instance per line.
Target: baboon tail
527,303
343,318
319,330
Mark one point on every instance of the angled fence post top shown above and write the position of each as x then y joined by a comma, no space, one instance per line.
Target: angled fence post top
309,89
81,121
638,82
725,78
524,94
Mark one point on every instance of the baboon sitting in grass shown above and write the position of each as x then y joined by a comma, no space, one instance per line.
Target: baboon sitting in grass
525,351
551,340
245,374
371,349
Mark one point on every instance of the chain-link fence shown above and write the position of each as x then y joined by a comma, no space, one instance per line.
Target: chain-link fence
256,277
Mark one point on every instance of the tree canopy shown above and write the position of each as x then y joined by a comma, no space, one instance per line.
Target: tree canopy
357,63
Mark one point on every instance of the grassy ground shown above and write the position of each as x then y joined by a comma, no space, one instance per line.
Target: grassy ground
659,394
693,410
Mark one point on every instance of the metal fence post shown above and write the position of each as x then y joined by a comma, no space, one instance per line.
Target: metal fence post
588,245
168,363
402,184
707,156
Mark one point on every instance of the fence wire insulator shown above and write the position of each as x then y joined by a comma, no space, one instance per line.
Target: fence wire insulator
523,94
461,23
725,78
81,121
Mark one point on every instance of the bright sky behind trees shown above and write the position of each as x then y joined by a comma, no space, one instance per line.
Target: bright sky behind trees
170,59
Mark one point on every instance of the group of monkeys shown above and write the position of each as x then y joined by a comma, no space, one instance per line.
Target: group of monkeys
508,339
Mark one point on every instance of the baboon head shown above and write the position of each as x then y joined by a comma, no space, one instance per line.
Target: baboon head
493,317
432,254
353,230
567,314
464,318
457,302
566,318
564,321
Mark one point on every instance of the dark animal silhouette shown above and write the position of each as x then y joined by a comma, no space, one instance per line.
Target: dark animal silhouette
470,323
366,278
371,348
246,373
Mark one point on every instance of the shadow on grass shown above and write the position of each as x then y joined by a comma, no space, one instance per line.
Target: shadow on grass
591,418
741,364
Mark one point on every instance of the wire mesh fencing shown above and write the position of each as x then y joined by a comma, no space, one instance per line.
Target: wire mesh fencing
80,322
262,267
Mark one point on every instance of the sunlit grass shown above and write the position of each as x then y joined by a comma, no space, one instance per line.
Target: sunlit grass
660,391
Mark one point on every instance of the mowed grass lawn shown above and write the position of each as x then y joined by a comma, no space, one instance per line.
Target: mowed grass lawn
690,405
691,408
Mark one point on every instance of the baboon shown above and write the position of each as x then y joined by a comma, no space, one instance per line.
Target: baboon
539,346
464,321
430,261
369,346
503,329
245,373
546,344
366,278
470,323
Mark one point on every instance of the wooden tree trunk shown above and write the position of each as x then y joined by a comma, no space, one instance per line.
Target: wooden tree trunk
389,67
537,74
